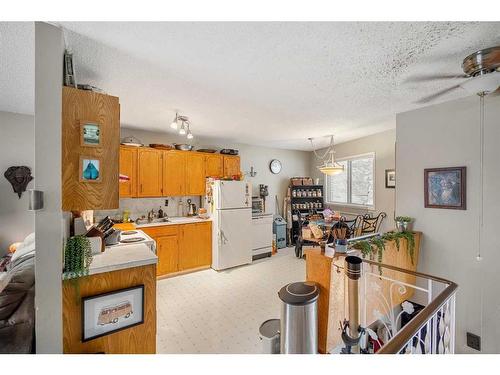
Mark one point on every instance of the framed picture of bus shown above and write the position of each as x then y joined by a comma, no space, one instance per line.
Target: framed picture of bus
106,313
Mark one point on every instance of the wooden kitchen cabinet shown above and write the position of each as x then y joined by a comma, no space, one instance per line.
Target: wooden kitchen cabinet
167,250
174,173
231,165
195,245
80,109
182,247
128,167
149,172
214,165
195,174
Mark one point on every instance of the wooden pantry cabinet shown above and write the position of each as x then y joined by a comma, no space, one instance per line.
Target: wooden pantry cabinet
182,248
90,142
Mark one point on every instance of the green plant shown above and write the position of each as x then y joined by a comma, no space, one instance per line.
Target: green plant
404,219
367,246
410,238
77,257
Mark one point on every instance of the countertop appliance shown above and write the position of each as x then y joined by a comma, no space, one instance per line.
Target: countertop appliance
230,206
262,235
135,236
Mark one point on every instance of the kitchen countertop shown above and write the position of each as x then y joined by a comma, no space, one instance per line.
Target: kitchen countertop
174,221
122,257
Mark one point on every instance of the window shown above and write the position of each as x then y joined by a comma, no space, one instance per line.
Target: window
354,186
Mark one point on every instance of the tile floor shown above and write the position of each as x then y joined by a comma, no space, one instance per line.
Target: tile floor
220,312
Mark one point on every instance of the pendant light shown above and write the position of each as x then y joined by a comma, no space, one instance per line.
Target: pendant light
330,167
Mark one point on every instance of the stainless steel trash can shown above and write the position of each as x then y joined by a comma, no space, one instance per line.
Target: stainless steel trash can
270,336
299,318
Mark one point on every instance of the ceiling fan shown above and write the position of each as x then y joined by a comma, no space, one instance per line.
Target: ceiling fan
482,70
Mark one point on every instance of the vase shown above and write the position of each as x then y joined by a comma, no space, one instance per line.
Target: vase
402,226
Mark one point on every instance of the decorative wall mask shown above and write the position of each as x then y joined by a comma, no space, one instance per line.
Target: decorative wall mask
19,177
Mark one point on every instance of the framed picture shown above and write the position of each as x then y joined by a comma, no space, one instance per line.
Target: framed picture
390,178
445,188
111,312
90,134
90,169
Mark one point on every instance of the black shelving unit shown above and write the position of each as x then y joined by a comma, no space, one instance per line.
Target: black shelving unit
307,200
295,230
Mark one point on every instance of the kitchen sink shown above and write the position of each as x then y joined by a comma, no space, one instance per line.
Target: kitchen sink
157,220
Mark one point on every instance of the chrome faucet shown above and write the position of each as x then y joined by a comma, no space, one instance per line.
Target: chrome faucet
151,215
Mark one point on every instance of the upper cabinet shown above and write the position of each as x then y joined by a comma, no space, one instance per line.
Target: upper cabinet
149,172
128,167
171,173
195,174
231,165
214,165
90,150
174,173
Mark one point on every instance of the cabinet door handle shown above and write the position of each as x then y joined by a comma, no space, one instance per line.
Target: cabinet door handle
141,188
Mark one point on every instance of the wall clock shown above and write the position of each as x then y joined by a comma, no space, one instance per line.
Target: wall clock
275,166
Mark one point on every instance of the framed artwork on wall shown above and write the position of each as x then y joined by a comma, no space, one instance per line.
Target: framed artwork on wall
90,169
390,178
111,312
445,188
90,134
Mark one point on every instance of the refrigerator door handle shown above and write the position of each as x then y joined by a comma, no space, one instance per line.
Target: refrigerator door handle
223,237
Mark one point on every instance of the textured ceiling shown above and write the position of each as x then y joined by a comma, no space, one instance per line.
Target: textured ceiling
273,84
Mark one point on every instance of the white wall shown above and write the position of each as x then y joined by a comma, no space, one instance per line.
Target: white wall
447,135
383,146
295,163
49,49
17,148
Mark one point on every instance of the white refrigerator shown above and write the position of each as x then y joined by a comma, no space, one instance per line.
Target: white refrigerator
230,206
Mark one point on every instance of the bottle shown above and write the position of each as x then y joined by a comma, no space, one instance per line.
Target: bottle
160,213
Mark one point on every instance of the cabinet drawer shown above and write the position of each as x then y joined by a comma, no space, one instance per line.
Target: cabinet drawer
163,230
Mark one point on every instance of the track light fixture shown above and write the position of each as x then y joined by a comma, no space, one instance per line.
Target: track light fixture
185,125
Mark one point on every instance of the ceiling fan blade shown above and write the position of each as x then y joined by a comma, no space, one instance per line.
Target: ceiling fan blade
434,77
430,98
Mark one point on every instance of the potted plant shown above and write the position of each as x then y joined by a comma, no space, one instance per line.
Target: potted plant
403,223
77,257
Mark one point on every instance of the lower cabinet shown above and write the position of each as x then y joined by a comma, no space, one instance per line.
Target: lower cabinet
195,249
167,250
182,247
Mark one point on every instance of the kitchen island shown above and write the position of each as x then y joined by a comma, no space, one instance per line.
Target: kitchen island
115,269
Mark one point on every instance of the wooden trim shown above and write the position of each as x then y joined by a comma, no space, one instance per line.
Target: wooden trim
184,272
463,190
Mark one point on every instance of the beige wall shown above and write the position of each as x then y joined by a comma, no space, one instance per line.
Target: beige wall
17,148
383,146
295,163
49,223
447,135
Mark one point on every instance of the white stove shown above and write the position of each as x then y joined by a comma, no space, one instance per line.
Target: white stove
133,237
